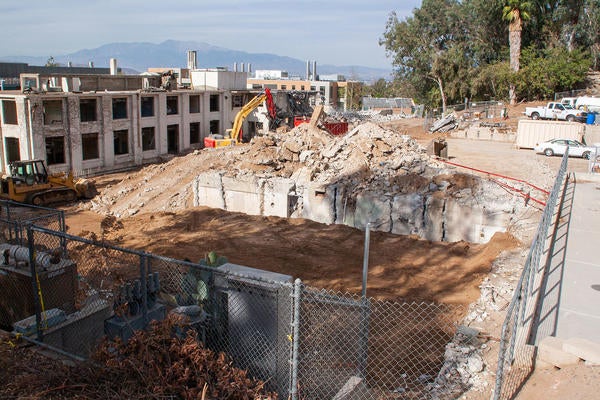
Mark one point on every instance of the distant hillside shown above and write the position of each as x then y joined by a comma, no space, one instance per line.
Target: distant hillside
172,53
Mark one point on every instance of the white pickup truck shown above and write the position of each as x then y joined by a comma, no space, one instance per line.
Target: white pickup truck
555,110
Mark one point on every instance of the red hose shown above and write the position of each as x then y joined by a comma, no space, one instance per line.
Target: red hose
527,196
498,175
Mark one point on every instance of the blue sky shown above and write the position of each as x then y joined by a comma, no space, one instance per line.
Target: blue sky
339,32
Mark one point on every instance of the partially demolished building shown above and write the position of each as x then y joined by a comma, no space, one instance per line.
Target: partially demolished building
98,123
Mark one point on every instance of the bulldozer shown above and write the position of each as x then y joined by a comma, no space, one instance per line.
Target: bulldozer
29,182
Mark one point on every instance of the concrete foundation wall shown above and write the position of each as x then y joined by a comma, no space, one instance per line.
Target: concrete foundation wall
432,215
276,197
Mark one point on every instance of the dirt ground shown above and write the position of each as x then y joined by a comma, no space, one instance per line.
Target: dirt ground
331,256
324,256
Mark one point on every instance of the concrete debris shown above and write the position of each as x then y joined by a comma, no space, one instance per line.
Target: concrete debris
371,174
445,124
356,117
463,368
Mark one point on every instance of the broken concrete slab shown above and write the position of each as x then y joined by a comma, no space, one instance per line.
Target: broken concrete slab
242,195
550,350
319,203
375,209
208,190
584,349
276,197
407,214
353,389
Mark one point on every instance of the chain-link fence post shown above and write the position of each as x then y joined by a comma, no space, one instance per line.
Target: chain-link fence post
144,287
35,284
364,326
63,228
364,338
295,338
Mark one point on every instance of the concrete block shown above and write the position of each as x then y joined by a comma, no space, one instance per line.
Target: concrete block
433,219
461,221
243,195
483,133
345,206
208,190
354,388
541,364
276,197
373,208
407,213
584,349
49,318
247,184
551,351
319,203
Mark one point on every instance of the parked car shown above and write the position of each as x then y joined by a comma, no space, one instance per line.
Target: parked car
559,147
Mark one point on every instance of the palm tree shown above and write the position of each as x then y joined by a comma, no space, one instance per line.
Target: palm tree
516,12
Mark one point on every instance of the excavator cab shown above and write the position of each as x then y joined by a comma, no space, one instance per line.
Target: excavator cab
233,135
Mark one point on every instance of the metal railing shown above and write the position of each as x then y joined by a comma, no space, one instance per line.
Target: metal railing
571,93
517,326
305,343
16,217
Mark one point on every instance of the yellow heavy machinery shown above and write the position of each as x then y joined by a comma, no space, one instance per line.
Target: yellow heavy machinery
232,135
29,182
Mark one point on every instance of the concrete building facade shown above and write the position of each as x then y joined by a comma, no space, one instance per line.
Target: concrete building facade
94,124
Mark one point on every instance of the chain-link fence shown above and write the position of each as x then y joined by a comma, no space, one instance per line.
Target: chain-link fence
303,342
480,109
16,290
15,217
363,348
571,93
516,351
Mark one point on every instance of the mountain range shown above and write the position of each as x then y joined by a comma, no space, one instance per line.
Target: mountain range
137,57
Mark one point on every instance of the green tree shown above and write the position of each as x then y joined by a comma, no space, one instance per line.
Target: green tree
589,30
516,12
485,30
378,89
492,80
421,45
547,71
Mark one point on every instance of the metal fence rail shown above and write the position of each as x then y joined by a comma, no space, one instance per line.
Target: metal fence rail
305,343
516,329
15,217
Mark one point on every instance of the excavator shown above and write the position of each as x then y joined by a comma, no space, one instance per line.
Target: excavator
233,134
29,182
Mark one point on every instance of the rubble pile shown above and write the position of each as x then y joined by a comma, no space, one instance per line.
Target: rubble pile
445,124
371,174
355,117
369,156
464,367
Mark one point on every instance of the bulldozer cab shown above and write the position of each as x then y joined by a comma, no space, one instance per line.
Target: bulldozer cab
29,172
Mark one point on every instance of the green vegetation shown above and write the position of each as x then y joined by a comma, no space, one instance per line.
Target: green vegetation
449,50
